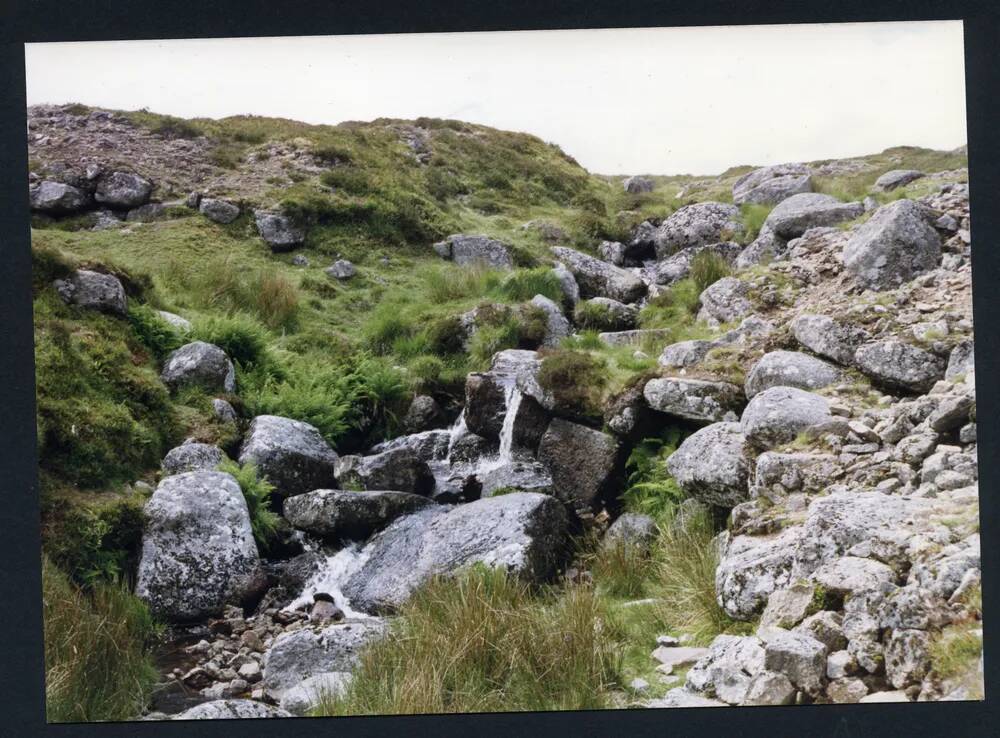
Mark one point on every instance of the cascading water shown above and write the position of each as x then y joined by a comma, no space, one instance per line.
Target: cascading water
336,570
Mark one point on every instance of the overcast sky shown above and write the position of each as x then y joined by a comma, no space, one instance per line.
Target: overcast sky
661,101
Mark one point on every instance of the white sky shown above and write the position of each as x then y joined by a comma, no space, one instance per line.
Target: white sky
661,100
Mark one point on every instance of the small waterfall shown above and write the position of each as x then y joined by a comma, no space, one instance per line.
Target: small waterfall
458,429
512,402
334,572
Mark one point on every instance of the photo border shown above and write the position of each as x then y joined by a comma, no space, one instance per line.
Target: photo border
22,664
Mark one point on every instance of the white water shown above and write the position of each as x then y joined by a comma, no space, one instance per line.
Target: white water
332,574
512,401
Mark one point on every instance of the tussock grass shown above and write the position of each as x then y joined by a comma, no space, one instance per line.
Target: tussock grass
753,215
97,662
707,268
485,642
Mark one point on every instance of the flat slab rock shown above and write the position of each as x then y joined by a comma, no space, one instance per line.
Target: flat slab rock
347,514
522,532
695,399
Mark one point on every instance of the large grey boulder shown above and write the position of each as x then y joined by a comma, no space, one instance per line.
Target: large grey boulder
728,669
231,710
771,185
557,327
778,414
218,210
192,457
678,266
308,693
695,399
790,369
198,550
278,231
767,247
598,278
828,338
348,515
398,469
894,246
797,214
523,533
631,529
301,654
341,269
57,198
567,282
698,224
201,364
93,290
582,461
726,300
897,178
122,190
636,184
466,250
712,466
899,365
290,453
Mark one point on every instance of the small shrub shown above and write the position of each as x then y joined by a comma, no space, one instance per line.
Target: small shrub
98,664
649,488
349,179
522,285
707,268
171,127
489,339
242,338
386,325
575,379
48,264
484,642
593,316
257,493
533,325
154,332
446,335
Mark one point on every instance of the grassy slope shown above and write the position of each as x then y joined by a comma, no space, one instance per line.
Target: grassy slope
344,356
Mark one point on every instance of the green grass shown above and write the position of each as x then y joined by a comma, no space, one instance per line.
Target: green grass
707,268
257,493
486,642
97,650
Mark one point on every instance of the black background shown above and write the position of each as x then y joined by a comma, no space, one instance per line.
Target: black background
21,656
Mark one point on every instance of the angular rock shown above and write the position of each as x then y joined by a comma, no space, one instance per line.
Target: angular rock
557,327
770,688
201,364
678,266
726,300
751,568
57,198
829,338
93,290
231,710
899,365
631,529
218,210
846,691
423,414
597,278
695,399
764,249
907,657
291,454
895,245
683,697
582,461
851,575
797,214
181,324
771,185
192,457
790,369
897,178
523,533
826,627
398,469
278,231
728,668
303,697
570,289
776,475
466,250
122,190
347,515
800,658
198,550
301,654
341,269
962,360
786,608
600,313
698,224
518,475
636,184
223,411
711,465
151,211
777,415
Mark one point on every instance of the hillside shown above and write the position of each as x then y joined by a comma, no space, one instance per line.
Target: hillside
487,354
